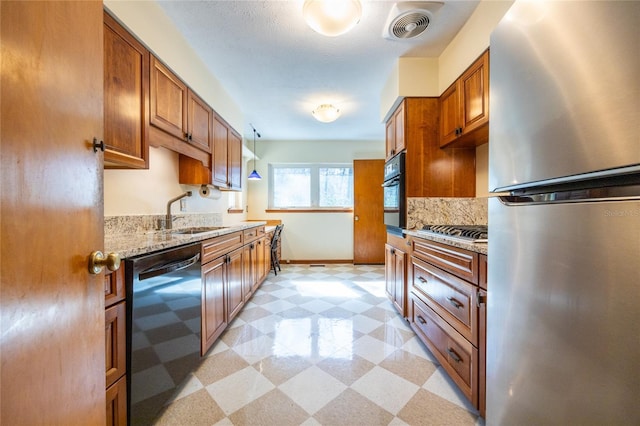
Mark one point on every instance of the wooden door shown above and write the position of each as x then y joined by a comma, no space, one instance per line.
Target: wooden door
369,232
51,308
200,123
219,166
168,100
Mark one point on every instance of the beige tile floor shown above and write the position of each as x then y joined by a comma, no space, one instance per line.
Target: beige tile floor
319,346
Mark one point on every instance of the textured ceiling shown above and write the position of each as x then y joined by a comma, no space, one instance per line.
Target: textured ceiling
277,69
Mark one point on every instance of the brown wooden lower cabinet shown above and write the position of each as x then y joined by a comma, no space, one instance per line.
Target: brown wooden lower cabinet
447,310
115,347
395,272
117,403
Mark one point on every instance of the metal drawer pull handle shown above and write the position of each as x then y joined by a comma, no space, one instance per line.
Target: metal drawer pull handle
422,279
454,302
454,355
421,320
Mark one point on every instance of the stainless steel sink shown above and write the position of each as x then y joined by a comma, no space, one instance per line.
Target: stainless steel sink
197,230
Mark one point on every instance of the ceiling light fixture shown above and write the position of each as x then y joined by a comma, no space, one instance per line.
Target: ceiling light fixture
332,17
326,113
254,174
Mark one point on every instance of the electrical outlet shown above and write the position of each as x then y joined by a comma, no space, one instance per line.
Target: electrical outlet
183,205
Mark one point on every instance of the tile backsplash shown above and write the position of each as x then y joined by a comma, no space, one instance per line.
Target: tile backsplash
446,211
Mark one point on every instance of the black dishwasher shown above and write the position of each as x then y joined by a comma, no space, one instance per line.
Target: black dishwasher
163,338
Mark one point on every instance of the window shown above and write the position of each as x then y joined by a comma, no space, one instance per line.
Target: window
317,186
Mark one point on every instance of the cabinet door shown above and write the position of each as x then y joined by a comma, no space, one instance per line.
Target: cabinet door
399,281
474,84
220,138
117,403
260,262
200,123
248,252
398,124
168,100
234,162
234,283
389,271
390,141
214,316
126,98
449,114
114,290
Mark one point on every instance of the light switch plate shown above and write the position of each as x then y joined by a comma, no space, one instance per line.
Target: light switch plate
183,205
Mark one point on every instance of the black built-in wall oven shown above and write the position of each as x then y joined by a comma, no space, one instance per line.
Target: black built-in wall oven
395,201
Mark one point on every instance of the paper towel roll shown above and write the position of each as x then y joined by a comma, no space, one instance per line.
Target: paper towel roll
210,192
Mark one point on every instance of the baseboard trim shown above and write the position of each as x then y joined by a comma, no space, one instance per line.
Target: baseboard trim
316,261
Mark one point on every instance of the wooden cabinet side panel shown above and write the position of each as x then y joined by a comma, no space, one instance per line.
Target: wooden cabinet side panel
168,100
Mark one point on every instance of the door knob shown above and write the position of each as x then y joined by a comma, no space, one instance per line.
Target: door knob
97,261
356,218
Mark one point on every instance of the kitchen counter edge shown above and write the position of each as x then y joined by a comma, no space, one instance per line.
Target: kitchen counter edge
475,247
130,245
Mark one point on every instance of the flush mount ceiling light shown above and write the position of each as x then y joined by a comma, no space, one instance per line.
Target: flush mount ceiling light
332,17
254,174
326,113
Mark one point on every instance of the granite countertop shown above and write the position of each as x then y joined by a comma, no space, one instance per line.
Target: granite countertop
475,247
134,244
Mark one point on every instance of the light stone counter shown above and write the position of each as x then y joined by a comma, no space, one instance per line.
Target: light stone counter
476,247
129,241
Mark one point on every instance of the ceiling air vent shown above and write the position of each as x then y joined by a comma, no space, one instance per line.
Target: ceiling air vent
409,19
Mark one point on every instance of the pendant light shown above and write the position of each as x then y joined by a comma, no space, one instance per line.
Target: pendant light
254,174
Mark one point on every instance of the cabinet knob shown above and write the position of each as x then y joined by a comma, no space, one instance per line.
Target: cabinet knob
97,261
421,320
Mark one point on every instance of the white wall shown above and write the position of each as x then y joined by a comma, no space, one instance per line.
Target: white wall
309,236
147,191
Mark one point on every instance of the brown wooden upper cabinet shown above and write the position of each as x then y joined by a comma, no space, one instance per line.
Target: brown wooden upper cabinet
126,98
395,132
227,156
179,112
464,107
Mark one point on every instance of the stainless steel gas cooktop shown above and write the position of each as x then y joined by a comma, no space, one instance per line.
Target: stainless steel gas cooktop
467,233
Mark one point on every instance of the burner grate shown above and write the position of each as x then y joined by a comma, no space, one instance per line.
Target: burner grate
475,233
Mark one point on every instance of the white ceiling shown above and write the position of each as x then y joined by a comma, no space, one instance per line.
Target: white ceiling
278,70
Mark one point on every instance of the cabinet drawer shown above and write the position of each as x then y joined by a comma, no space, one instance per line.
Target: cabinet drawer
449,296
117,403
456,355
218,246
253,233
461,263
115,342
114,290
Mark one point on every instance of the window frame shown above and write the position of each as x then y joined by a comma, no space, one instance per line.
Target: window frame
314,190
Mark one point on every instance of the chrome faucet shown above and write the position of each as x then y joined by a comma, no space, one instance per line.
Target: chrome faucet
169,220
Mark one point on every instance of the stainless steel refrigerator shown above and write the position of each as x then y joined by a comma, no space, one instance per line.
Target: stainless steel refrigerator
563,313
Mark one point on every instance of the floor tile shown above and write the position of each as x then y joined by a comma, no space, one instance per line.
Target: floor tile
312,389
239,389
315,346
389,391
